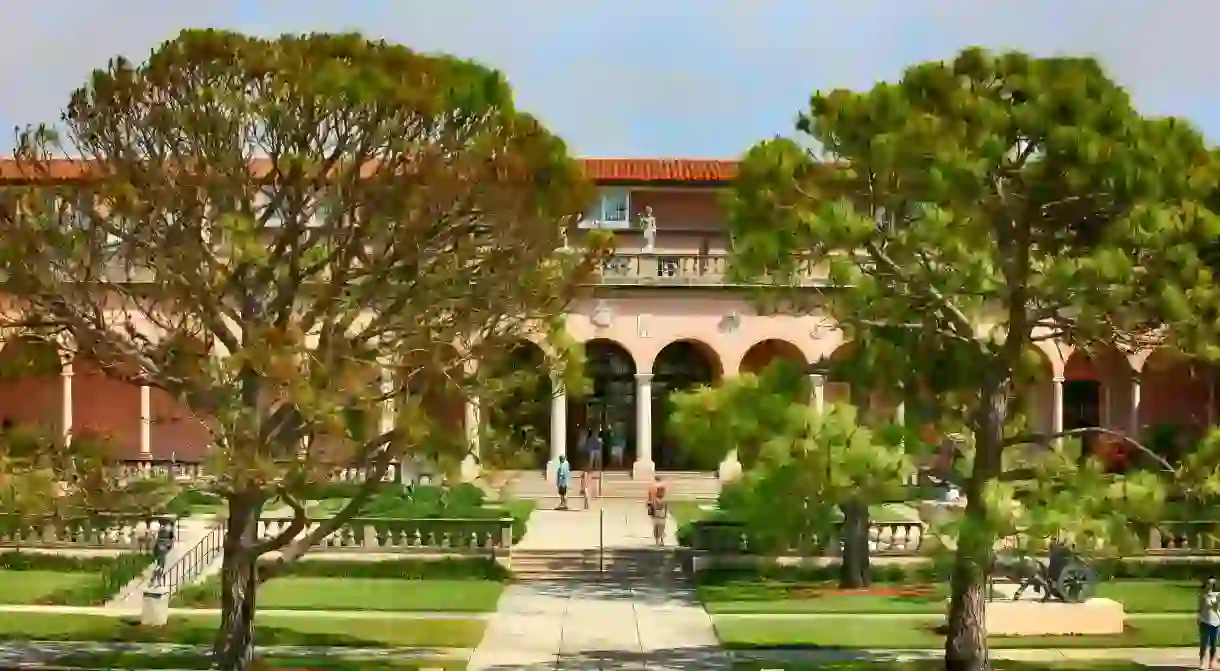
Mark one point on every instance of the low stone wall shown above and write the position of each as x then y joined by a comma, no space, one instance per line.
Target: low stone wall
391,536
100,532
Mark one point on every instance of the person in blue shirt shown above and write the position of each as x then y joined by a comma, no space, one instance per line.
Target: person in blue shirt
562,475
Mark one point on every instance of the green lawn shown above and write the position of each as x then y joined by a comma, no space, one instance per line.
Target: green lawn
32,586
389,594
192,661
919,632
1137,596
937,665
201,629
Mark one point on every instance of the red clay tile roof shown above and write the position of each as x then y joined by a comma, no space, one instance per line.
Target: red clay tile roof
639,170
659,170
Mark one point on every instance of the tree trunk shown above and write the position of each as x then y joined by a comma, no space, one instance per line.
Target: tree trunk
854,570
234,647
966,642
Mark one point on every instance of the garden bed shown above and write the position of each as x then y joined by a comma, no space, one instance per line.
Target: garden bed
272,631
451,585
61,580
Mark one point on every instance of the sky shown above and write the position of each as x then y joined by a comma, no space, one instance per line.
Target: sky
651,78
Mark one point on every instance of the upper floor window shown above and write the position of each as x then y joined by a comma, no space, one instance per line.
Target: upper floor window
612,209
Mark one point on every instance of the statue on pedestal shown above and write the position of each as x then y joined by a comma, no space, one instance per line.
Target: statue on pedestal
648,224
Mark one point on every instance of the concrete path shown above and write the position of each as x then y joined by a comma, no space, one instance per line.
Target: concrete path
624,525
573,625
33,654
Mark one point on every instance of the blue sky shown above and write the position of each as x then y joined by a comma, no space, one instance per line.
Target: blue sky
697,78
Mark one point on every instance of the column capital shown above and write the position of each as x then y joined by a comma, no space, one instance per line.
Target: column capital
1058,379
643,377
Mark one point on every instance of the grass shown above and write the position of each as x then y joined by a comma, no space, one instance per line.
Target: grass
385,594
762,596
192,661
939,665
920,632
201,629
36,586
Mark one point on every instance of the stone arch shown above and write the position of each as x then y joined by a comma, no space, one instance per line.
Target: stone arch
31,383
522,414
1177,400
679,366
607,405
763,353
1097,388
1034,391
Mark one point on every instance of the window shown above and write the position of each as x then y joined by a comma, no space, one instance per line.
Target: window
612,210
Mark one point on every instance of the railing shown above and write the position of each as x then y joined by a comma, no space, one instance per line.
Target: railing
682,269
1181,538
885,538
195,561
136,469
389,535
103,531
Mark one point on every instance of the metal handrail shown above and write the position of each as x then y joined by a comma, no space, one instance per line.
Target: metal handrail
194,562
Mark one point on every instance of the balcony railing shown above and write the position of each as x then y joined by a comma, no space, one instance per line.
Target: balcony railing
682,269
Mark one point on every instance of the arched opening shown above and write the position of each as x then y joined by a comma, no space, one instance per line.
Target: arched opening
31,385
106,405
1033,398
762,354
1097,392
517,420
431,388
608,407
1177,402
177,431
679,366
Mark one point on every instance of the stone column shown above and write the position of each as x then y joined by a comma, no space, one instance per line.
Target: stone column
145,421
66,409
470,464
1133,422
559,426
644,468
1057,405
817,384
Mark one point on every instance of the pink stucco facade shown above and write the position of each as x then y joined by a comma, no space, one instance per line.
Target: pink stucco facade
653,299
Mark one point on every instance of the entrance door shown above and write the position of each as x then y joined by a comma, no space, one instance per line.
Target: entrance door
1082,409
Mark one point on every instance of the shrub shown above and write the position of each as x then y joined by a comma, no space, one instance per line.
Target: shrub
111,574
928,571
206,594
182,504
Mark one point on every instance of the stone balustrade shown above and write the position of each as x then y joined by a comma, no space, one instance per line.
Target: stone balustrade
885,538
101,532
388,535
142,469
681,269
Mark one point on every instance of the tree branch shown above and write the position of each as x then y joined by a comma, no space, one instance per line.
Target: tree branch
1044,439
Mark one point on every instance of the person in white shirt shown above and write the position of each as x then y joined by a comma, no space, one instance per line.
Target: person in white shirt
1209,622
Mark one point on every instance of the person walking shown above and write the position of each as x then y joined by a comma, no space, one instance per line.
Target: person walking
658,510
1209,622
562,475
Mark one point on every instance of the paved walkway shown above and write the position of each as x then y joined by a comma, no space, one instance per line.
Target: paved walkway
34,653
190,531
564,625
1174,658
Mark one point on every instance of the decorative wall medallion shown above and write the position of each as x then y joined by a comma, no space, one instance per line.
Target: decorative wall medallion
730,322
602,315
641,326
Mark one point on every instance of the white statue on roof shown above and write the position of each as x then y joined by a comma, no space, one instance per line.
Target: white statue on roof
648,224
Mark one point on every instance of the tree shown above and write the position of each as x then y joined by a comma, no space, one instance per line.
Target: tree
793,454
263,228
980,206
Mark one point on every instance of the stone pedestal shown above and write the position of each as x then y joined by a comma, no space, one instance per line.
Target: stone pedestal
470,469
730,468
643,470
155,611
1035,618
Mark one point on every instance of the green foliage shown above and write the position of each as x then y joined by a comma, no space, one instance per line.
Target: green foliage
111,574
928,571
206,594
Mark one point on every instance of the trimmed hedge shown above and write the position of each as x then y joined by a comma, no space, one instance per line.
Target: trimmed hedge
111,574
207,593
924,572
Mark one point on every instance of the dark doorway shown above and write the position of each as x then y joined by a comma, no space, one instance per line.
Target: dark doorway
522,416
608,408
680,366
